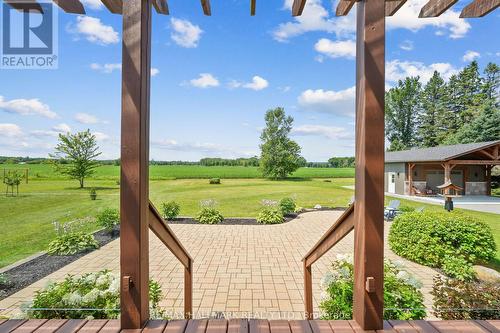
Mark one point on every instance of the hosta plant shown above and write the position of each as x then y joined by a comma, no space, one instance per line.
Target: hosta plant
209,214
271,213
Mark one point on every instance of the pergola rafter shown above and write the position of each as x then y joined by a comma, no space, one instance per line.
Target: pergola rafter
433,8
479,8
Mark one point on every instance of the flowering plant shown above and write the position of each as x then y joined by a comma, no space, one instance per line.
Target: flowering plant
93,295
402,297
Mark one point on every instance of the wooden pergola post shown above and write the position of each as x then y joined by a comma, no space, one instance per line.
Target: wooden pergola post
134,187
369,207
489,168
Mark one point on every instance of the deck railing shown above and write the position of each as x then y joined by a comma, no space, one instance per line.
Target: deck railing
165,234
332,236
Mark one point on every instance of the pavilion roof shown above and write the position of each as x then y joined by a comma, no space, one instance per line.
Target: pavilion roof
437,154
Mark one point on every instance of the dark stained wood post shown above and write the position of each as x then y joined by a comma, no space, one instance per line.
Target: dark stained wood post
369,207
489,168
134,187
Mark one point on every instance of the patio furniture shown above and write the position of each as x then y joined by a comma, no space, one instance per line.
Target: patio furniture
392,210
419,209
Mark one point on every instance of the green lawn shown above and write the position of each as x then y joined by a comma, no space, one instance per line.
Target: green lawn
26,221
162,172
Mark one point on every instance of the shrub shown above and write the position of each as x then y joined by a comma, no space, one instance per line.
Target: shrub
209,214
443,240
406,209
71,238
402,297
98,292
72,243
170,210
455,299
108,219
93,194
214,181
287,205
271,213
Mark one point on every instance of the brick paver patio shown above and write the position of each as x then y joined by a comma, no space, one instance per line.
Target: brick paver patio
237,269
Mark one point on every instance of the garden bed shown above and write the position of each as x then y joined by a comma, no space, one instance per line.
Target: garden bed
21,276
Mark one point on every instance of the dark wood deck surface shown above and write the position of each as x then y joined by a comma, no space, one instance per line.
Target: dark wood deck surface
245,326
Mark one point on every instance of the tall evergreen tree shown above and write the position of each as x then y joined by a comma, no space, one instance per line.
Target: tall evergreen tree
470,95
485,127
433,118
491,84
402,109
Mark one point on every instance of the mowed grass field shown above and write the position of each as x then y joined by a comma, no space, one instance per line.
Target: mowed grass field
26,221
162,172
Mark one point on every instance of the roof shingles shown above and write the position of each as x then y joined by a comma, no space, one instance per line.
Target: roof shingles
436,154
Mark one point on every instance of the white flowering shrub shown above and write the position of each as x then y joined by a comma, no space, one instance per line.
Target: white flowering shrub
402,297
93,295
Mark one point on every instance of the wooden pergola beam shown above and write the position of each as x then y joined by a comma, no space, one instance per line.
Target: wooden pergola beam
344,7
391,7
32,5
114,6
134,175
368,293
298,7
479,8
70,6
205,4
252,7
434,8
161,7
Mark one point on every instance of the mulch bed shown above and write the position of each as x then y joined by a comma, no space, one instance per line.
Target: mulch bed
31,271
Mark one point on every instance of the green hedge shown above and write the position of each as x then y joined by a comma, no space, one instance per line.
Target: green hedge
443,240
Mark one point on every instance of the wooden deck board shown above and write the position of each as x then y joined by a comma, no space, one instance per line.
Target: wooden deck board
10,325
320,326
72,326
258,326
246,326
30,326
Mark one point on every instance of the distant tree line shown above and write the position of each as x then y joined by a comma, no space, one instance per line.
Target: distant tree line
463,109
210,161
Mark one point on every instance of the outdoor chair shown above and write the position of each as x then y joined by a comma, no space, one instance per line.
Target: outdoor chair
419,209
392,210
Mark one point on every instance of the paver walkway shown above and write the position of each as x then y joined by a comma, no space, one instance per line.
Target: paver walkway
237,269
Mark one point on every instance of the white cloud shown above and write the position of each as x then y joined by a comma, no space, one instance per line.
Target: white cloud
336,49
407,18
93,4
154,71
406,45
257,83
185,33
470,55
314,18
86,118
336,102
94,30
106,68
330,132
398,70
27,107
317,18
10,130
99,136
205,80
62,128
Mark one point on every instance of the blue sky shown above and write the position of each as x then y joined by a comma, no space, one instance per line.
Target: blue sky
214,77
